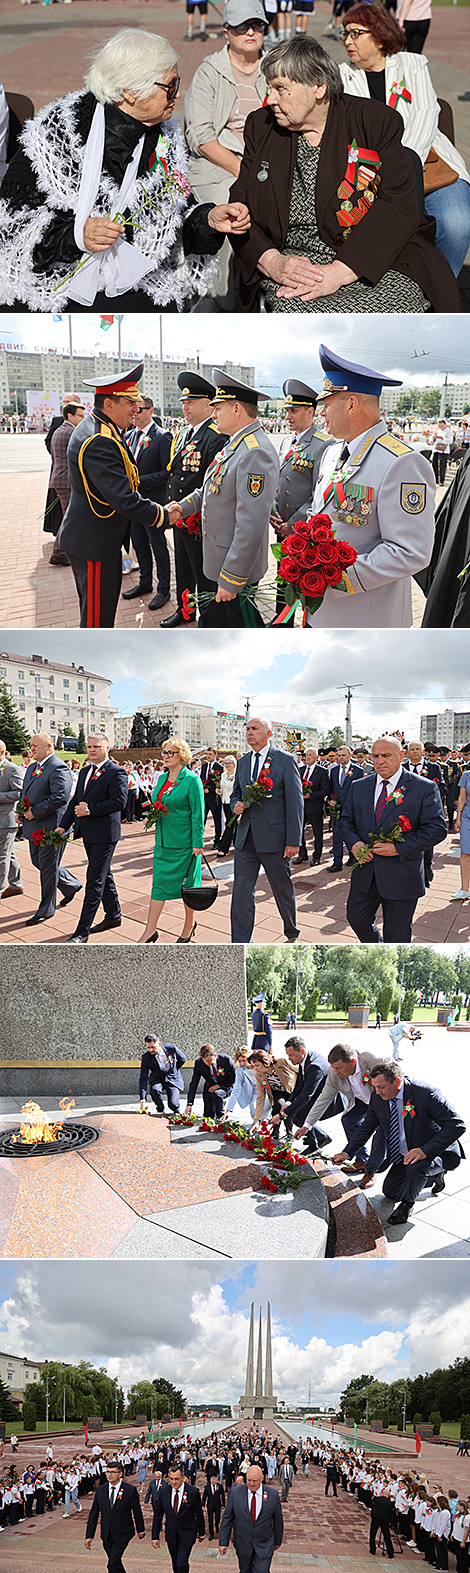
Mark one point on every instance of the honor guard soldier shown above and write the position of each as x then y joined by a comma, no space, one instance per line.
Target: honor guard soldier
105,498
236,502
192,450
260,1021
379,494
300,456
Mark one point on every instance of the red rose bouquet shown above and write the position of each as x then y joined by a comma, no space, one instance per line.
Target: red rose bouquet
21,808
256,791
48,838
311,560
155,812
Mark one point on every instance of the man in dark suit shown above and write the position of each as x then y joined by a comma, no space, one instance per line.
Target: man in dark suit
342,775
96,809
117,1504
150,449
430,770
218,1074
422,1131
380,802
211,771
451,772
268,832
312,1071
105,498
180,1505
254,1513
47,786
161,1064
192,451
315,787
214,1500
154,1486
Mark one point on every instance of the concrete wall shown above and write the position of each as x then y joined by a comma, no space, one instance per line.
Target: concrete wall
75,1020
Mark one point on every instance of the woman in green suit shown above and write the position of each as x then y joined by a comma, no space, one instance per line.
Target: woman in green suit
179,834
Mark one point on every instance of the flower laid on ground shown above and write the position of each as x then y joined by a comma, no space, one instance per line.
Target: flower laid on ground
311,560
256,791
48,838
154,813
261,1143
183,1119
394,833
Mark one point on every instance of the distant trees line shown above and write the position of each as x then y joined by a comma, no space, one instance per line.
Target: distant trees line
438,1397
354,975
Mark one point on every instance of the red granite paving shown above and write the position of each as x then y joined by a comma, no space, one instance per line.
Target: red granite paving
56,1195
321,901
152,1176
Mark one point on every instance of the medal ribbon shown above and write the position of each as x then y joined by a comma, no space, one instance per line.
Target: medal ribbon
358,176
398,91
160,156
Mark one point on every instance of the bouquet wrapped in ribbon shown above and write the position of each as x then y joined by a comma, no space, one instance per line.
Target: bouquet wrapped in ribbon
256,791
155,812
310,561
393,833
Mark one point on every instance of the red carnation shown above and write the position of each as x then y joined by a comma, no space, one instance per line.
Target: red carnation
404,823
313,583
347,554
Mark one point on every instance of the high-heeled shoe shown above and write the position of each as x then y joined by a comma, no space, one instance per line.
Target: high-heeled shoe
182,941
151,939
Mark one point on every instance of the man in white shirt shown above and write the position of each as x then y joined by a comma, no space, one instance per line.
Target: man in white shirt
441,443
254,1513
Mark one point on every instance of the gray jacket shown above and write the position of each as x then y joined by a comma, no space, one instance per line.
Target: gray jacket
236,502
298,476
334,1083
10,791
208,105
48,794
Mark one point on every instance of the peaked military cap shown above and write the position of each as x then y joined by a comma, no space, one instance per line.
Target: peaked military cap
227,389
299,393
120,384
343,376
194,387
258,999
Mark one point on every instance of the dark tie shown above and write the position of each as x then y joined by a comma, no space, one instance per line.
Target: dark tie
134,439
189,433
381,802
90,778
344,456
113,1496
394,1148
253,1506
255,768
416,770
175,1502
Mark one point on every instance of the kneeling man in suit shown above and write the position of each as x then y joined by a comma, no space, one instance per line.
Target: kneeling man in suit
180,1504
422,1131
254,1513
117,1503
391,874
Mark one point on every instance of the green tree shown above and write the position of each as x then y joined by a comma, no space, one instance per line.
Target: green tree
429,404
8,1410
385,1419
350,974
465,1427
29,1414
311,1006
405,402
67,731
173,1395
408,1005
140,1400
435,1421
384,1000
417,1419
81,742
12,731
335,737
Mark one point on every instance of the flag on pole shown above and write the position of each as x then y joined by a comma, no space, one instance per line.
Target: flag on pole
355,1431
86,1434
57,318
107,322
418,1443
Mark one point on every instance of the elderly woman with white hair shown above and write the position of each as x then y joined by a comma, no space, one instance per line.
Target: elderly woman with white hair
96,208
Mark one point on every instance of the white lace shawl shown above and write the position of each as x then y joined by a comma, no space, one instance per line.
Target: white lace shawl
56,152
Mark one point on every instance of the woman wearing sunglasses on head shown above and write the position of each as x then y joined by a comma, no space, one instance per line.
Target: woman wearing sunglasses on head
96,208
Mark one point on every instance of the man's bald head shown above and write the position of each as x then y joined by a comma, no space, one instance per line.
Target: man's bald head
387,754
41,745
254,1477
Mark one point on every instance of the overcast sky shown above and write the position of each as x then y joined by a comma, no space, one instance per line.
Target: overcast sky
296,676
189,1320
414,348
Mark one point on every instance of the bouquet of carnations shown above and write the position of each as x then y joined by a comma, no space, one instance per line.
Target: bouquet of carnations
394,833
192,524
256,791
311,560
154,813
48,838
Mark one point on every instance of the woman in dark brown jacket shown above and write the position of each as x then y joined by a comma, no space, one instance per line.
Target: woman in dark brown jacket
332,194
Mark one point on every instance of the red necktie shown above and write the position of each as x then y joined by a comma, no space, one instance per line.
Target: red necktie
253,1506
381,802
90,778
175,1502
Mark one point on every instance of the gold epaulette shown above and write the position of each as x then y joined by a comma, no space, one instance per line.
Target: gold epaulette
393,444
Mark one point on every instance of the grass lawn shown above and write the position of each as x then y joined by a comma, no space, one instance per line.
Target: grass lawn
423,1014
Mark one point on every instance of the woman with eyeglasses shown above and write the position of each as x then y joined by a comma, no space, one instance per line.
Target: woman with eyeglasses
96,208
179,837
332,197
226,87
380,67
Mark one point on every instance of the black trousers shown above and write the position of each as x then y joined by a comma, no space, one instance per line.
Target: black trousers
213,1513
99,588
229,614
439,460
315,819
180,1555
416,35
212,805
53,877
157,1089
114,1554
375,1526
188,564
361,912
147,540
327,1487
277,870
213,1102
99,885
403,1182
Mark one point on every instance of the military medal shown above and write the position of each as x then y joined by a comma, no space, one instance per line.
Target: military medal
361,178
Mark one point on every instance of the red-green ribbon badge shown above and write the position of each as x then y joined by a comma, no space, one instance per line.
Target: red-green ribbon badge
399,91
160,155
358,157
286,616
354,493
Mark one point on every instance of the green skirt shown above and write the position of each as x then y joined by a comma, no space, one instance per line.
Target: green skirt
170,868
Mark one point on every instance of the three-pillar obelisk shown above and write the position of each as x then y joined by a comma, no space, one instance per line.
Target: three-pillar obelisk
258,1401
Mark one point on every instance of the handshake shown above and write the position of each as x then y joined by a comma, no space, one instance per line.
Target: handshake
174,511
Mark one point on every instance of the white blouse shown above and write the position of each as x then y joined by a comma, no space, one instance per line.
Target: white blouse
420,117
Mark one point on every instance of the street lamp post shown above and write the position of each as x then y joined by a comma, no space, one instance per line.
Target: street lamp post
404,1409
47,1402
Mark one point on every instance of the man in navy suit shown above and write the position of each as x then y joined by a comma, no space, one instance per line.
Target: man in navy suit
268,833
47,786
418,765
422,1131
392,873
211,771
316,783
312,1071
218,1074
161,1064
214,1500
254,1513
117,1504
180,1505
342,775
96,809
150,448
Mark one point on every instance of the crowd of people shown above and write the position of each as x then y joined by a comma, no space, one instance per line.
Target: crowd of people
138,206
267,800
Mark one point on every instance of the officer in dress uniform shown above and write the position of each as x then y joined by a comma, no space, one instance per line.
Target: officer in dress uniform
236,502
260,1021
192,450
379,494
105,497
300,455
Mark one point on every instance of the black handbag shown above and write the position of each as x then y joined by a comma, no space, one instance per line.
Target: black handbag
194,896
